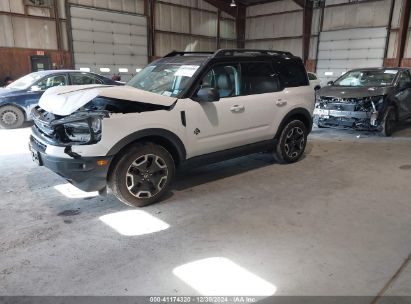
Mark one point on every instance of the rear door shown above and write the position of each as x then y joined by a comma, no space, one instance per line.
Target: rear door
242,116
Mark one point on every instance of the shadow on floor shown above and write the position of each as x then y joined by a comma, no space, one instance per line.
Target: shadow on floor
210,173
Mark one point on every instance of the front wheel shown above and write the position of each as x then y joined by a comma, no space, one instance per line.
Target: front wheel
142,175
389,122
291,144
11,117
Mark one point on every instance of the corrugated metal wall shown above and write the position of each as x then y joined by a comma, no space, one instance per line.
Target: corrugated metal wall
191,26
109,42
353,35
276,26
28,31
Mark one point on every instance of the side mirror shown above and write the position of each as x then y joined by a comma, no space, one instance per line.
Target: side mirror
207,95
35,88
330,83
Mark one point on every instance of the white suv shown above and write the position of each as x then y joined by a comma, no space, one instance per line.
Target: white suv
182,110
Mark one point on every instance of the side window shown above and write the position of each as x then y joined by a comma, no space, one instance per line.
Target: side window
83,78
293,75
225,78
258,78
404,80
52,81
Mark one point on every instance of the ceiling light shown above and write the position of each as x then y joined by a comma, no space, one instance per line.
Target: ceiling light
232,4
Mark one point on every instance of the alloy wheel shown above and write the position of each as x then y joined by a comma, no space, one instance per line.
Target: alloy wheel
294,142
146,176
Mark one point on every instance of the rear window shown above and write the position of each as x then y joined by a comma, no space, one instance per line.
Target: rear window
258,78
292,74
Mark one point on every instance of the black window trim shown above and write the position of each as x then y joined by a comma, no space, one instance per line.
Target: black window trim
206,70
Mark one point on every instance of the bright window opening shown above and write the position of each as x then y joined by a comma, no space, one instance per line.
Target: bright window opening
134,222
138,70
123,70
221,277
328,73
68,190
85,69
105,70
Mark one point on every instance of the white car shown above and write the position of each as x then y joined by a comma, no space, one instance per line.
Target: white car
315,82
182,110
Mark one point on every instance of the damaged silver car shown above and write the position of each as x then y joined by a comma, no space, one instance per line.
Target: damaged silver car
373,99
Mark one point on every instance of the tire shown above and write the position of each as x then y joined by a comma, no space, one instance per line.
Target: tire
142,175
11,117
389,122
291,144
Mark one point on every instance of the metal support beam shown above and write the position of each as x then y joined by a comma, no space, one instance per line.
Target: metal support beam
218,29
238,12
225,7
240,21
403,29
307,21
149,11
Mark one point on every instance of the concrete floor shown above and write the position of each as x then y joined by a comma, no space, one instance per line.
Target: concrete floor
336,223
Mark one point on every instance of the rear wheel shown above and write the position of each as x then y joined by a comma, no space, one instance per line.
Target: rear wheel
11,117
142,175
291,144
389,122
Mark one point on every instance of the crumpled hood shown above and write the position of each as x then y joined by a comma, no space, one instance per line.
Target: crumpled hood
67,99
353,92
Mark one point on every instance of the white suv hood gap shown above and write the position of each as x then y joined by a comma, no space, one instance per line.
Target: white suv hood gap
65,100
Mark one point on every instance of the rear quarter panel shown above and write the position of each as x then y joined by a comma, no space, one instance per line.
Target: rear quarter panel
296,97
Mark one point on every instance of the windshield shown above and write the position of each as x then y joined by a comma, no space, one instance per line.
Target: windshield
164,79
367,78
25,82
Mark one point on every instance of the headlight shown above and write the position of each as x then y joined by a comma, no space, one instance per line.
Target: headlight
84,131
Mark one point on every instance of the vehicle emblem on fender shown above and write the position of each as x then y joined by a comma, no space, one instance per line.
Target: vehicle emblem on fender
197,131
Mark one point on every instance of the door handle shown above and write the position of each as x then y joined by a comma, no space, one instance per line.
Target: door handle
281,102
237,108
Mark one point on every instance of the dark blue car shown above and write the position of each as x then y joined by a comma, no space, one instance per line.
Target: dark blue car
20,97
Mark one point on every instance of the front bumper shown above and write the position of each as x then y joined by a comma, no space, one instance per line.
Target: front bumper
359,120
83,172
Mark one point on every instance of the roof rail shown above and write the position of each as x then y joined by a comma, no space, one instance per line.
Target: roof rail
177,53
233,52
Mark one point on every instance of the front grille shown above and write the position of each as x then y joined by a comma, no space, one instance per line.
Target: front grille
340,106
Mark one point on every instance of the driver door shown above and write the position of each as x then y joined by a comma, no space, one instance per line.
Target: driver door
238,118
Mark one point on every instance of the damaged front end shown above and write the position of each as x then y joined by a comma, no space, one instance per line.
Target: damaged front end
83,126
363,113
80,128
